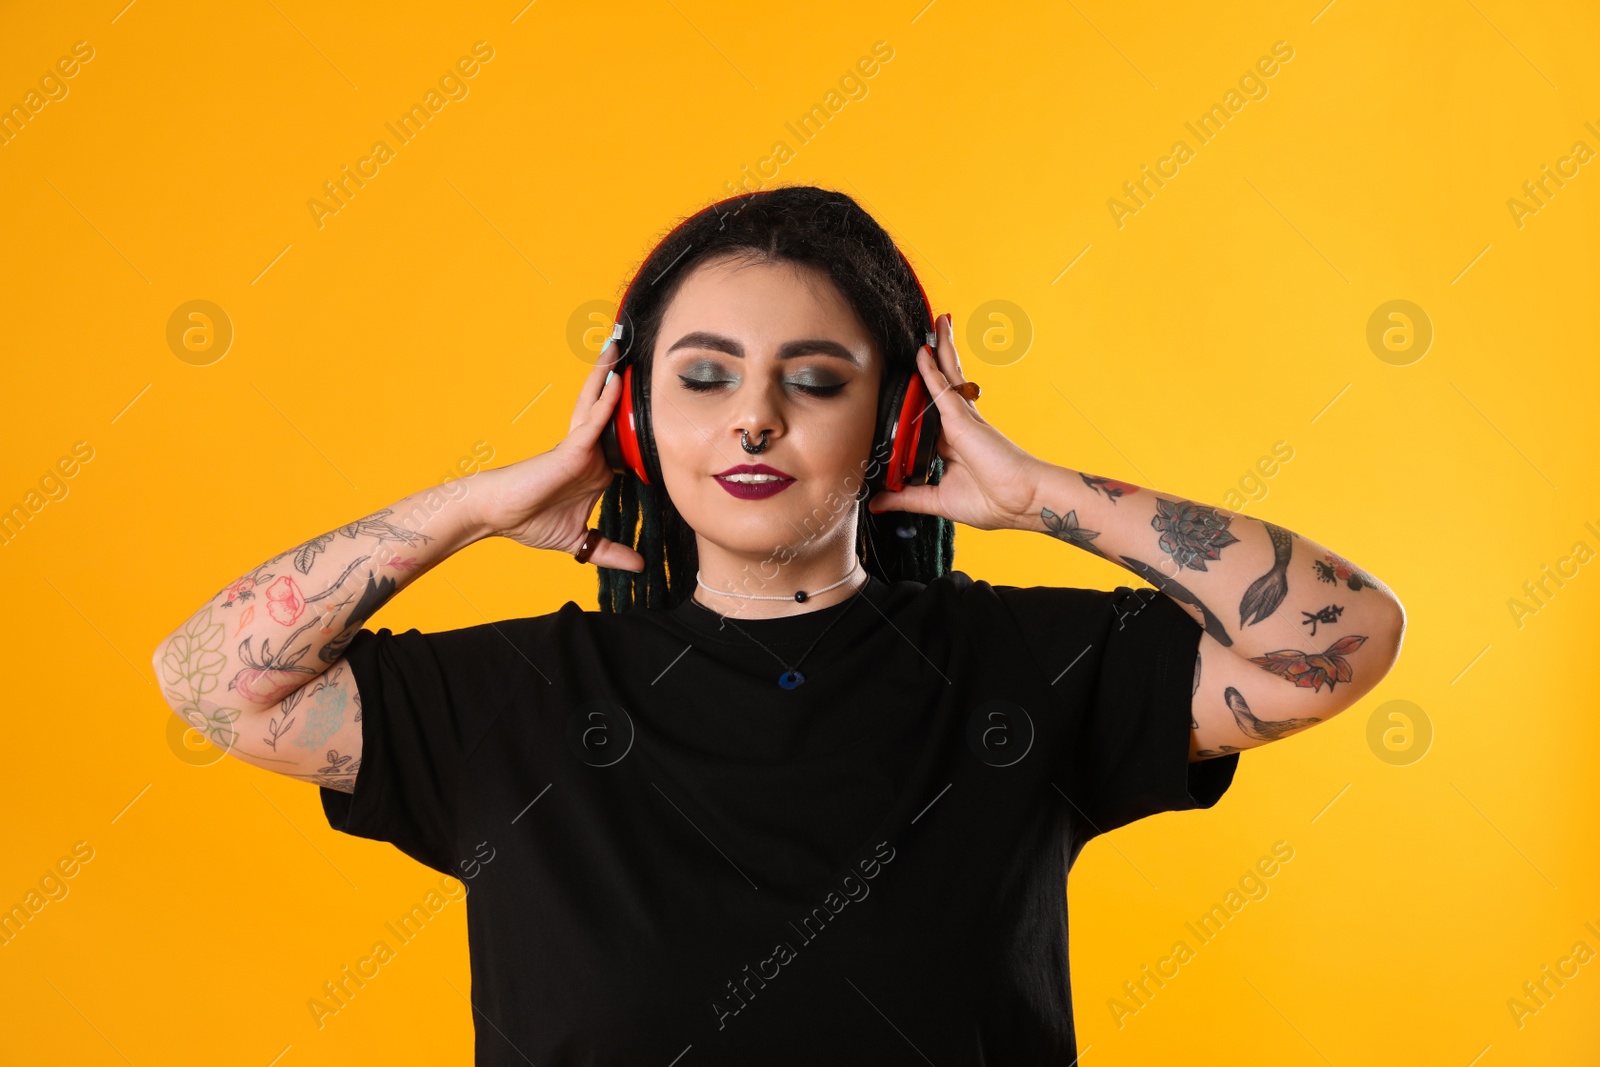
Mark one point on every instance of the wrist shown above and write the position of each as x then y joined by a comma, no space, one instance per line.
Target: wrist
471,498
1044,480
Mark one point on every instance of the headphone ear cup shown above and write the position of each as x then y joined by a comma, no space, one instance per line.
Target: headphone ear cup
611,441
917,428
891,399
920,460
626,435
649,462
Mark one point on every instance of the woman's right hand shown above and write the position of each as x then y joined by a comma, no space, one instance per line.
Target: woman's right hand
545,501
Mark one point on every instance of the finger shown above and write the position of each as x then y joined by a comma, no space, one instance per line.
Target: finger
587,430
594,382
949,358
617,557
918,499
608,553
952,405
596,378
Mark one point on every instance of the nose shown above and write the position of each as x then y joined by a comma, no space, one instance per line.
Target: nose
758,417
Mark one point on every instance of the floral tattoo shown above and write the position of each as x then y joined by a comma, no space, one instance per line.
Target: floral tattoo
1192,533
1310,670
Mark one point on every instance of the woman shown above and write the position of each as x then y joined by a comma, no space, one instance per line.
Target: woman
799,792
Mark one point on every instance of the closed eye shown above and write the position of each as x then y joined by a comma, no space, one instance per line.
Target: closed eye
700,385
818,390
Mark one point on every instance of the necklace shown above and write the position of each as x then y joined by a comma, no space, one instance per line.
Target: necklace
800,597
791,678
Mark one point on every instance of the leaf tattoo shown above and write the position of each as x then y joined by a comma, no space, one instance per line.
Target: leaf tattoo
269,676
1266,593
1192,533
374,525
1261,729
278,728
340,773
1309,670
1067,529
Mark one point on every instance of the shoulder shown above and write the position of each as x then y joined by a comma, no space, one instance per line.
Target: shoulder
1024,603
479,645
1001,613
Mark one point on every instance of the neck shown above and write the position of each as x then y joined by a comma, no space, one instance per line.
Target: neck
725,572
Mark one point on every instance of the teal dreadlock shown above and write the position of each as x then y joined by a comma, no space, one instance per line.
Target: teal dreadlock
643,517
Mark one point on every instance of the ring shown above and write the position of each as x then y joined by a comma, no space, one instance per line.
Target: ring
968,390
591,541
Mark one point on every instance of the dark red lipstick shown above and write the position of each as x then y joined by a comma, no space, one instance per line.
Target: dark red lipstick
756,488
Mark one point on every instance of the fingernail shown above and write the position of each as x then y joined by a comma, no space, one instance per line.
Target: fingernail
607,346
610,374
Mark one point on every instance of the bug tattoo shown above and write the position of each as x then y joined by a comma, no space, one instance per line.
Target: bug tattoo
1332,568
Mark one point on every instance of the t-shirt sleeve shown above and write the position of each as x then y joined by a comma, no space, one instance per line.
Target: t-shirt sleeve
426,699
1123,662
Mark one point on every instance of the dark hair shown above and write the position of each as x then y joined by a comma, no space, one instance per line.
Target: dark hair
800,224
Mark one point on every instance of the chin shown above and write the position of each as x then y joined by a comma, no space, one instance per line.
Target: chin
782,525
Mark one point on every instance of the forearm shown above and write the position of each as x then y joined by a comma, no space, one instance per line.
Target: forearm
1232,573
286,621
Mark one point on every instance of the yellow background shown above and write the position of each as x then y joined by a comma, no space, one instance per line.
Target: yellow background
1228,314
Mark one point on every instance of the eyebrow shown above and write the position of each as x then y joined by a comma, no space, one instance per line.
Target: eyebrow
788,350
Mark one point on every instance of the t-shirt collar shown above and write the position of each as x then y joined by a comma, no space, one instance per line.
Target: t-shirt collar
701,619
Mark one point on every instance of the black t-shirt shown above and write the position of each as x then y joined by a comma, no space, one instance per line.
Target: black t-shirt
669,855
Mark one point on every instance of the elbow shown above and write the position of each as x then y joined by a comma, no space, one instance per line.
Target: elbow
1393,632
155,663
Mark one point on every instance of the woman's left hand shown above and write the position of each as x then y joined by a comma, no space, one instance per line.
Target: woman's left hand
988,482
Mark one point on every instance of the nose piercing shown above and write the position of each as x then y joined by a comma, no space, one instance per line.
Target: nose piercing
744,441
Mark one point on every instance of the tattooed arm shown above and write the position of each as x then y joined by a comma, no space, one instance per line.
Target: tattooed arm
258,669
1293,633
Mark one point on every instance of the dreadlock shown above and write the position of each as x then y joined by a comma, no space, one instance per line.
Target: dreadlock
801,224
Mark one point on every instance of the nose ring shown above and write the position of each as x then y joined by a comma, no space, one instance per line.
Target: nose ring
744,441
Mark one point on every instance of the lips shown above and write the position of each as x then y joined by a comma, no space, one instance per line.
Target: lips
755,481
757,468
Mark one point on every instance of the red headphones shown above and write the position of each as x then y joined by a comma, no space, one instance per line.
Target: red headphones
903,443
